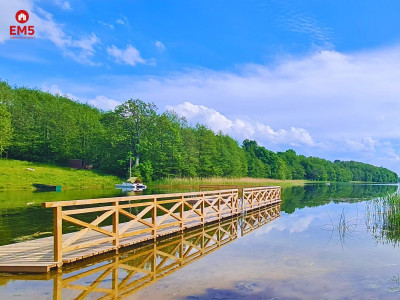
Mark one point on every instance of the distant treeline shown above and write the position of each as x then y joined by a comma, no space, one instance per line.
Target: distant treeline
42,127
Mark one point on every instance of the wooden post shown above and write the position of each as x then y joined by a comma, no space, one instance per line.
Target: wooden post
219,206
154,218
231,201
57,229
202,209
182,209
115,221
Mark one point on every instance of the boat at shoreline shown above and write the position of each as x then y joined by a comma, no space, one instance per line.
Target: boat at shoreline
132,184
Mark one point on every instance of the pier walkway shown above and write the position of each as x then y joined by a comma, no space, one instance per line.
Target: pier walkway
109,224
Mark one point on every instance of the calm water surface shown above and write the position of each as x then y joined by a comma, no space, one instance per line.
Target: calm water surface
322,242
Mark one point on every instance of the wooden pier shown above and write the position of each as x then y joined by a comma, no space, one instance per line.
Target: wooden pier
118,275
109,224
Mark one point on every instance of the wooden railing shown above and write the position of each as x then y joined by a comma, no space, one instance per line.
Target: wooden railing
260,196
146,217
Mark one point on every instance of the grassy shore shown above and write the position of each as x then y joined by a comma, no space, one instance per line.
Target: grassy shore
239,182
15,175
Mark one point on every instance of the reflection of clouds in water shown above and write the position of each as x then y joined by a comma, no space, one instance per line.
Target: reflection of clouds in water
293,224
302,224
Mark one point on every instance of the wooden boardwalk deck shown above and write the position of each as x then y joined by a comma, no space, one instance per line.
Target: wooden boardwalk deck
169,213
118,275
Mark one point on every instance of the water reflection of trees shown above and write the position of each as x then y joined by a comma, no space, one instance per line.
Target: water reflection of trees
383,219
312,195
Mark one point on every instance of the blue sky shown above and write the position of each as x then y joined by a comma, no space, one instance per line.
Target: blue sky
321,77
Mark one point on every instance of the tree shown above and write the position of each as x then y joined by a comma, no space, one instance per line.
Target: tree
5,129
206,142
138,118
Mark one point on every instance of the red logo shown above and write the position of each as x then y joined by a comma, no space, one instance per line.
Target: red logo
22,16
22,32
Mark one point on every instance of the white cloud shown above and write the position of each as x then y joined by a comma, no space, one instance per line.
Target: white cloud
55,90
160,46
365,144
103,102
298,21
129,56
63,4
293,137
122,21
80,49
111,26
99,101
241,129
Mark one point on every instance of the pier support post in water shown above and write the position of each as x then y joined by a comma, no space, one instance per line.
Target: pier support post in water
57,229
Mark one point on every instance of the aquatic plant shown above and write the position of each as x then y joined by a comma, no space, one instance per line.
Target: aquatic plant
383,219
343,226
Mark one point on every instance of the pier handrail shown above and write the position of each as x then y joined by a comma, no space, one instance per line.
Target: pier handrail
256,197
126,198
168,211
146,217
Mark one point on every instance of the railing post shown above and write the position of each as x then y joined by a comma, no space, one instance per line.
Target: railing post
231,201
115,221
219,206
202,209
154,218
57,229
237,202
182,211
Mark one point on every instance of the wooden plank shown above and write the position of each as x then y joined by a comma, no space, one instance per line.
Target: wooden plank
131,198
87,210
21,268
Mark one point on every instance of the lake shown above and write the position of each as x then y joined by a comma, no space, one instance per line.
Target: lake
321,242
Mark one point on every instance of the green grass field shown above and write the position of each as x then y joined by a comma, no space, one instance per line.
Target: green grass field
14,175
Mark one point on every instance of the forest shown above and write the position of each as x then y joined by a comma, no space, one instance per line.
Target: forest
41,127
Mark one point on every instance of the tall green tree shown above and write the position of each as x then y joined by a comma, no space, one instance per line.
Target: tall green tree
138,119
5,129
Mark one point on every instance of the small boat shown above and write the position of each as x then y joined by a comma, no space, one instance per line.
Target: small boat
46,187
132,184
